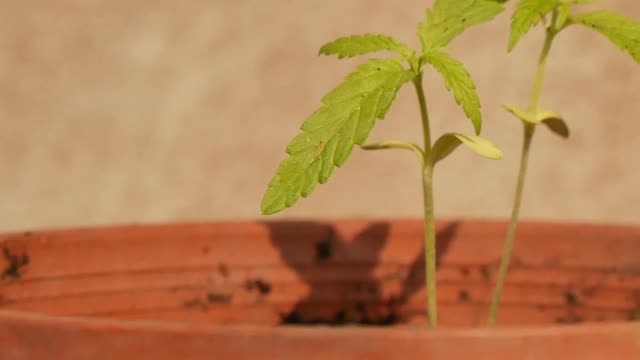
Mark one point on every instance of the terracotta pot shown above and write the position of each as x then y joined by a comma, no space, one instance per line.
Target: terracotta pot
318,290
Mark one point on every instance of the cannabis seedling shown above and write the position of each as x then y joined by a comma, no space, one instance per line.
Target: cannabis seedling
349,112
556,16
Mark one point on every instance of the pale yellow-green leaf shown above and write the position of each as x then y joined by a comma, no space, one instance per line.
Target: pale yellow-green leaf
522,114
622,31
450,18
328,136
458,81
364,44
528,13
447,143
550,119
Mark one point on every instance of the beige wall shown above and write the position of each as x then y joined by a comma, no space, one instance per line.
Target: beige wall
146,111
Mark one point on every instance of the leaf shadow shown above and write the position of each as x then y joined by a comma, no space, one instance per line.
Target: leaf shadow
340,273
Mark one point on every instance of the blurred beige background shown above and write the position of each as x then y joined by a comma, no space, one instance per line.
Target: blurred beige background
148,111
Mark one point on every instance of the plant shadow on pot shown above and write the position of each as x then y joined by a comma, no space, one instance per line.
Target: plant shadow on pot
348,283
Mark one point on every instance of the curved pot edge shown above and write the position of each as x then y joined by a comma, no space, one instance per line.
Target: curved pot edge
323,220
84,323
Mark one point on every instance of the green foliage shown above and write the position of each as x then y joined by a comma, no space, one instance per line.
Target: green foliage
564,10
447,143
622,31
349,111
528,13
450,18
364,44
329,134
446,20
458,81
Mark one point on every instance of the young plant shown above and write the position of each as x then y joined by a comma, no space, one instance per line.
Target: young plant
555,16
349,112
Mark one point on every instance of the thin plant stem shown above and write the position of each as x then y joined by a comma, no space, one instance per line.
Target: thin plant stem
529,130
430,232
542,64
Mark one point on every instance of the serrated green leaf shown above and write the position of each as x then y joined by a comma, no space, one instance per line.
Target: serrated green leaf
622,31
528,13
329,134
450,18
458,81
524,115
447,143
364,44
553,122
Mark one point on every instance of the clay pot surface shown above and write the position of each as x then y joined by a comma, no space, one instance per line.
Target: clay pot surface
346,289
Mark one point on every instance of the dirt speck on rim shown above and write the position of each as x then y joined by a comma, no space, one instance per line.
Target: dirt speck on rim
194,303
571,298
464,271
15,266
213,298
487,272
259,285
223,270
463,295
323,250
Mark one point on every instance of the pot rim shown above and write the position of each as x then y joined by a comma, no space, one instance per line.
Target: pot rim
175,327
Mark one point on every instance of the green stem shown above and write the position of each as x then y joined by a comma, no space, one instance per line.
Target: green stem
511,233
529,130
430,231
542,64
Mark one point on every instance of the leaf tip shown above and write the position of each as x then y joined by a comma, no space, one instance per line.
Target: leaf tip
268,207
265,211
476,119
478,128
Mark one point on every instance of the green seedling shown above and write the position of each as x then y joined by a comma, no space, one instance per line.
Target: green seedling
555,16
349,112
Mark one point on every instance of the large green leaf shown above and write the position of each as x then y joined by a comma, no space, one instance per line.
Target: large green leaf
450,18
364,44
447,143
528,13
622,31
329,134
458,81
